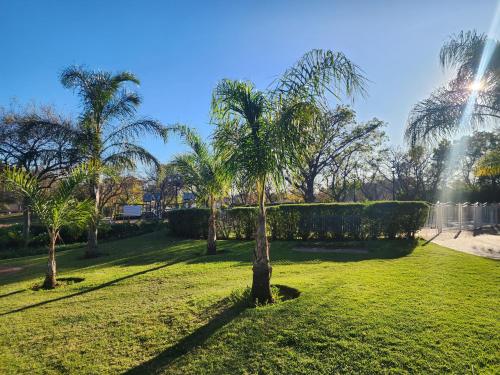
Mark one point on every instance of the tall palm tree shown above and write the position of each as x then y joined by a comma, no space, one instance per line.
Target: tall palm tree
54,208
107,129
257,131
208,174
471,98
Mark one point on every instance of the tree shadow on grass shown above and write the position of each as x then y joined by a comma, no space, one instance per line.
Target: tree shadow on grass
138,251
101,286
286,251
192,341
12,293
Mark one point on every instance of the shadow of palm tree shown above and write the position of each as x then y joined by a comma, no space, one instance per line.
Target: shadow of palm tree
101,286
154,248
162,361
12,293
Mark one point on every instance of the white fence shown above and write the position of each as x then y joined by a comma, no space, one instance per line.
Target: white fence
463,216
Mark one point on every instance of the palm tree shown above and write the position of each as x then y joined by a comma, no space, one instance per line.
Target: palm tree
209,176
107,129
53,208
257,131
471,98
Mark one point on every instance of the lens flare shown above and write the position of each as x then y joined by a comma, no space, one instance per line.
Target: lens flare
476,86
459,148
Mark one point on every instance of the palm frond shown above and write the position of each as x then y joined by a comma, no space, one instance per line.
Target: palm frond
128,155
100,91
318,72
445,111
135,129
451,108
23,181
122,105
194,141
238,98
464,49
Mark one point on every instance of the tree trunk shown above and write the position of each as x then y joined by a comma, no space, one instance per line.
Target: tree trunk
309,196
212,230
92,250
50,277
261,286
26,222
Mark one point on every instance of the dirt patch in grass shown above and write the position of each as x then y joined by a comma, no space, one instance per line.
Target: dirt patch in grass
61,282
335,251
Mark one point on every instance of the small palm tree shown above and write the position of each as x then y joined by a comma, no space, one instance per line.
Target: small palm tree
108,130
209,176
471,98
258,131
54,208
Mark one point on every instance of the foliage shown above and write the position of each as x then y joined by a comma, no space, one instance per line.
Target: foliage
108,130
308,221
258,132
328,137
37,140
202,170
189,222
460,103
11,237
489,164
58,207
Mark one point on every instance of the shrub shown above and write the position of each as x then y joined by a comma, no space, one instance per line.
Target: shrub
11,237
308,221
189,222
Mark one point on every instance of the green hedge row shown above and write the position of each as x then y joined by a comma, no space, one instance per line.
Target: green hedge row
305,221
11,236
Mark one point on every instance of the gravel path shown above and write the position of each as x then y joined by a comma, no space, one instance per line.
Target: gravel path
484,245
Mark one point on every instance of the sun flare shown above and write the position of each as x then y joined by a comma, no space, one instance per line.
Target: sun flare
476,86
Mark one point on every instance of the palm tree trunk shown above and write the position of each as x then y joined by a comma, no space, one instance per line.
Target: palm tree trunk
50,277
26,222
261,286
92,250
212,230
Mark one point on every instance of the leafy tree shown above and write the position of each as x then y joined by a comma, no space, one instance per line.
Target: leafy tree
119,189
258,132
207,174
324,136
54,208
107,129
472,97
489,165
167,182
353,154
39,141
475,146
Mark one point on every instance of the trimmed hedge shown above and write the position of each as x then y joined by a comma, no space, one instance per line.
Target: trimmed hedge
308,221
11,236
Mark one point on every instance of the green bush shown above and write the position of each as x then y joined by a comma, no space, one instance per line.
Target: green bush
189,222
322,221
11,236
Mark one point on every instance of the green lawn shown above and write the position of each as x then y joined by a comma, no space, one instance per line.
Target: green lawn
156,305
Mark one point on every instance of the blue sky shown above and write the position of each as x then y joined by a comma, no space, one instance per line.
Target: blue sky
180,50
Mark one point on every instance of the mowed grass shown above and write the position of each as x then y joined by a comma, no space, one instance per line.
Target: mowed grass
154,304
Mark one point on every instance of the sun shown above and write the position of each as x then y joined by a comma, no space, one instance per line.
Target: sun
476,86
